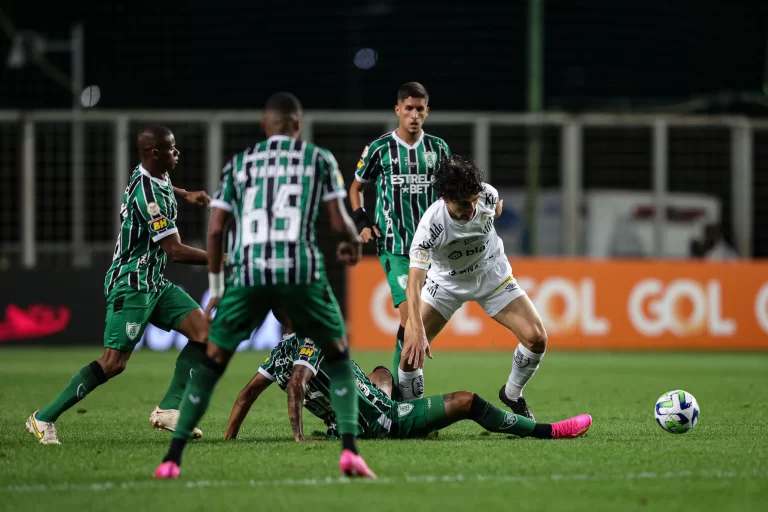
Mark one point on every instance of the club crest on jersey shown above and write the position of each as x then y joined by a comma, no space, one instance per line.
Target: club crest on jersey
431,158
402,281
404,409
153,209
132,330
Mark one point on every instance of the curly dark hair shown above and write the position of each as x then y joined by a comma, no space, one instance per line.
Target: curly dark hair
458,178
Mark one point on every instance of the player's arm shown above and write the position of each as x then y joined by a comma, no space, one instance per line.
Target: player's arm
199,198
244,402
296,390
179,253
333,197
222,205
416,342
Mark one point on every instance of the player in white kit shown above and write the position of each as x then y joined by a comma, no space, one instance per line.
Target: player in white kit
456,256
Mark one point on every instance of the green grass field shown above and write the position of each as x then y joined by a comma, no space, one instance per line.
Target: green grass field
625,462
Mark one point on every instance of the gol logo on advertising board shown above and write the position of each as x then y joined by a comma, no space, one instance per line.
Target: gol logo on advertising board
587,304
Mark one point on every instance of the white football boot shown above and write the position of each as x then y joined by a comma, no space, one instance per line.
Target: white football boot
167,420
44,432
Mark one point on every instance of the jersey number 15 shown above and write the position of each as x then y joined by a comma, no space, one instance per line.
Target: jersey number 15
256,226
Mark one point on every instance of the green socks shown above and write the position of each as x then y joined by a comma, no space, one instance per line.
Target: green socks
85,381
398,351
493,419
343,394
189,359
196,396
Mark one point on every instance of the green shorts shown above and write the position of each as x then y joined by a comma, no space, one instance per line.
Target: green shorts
129,311
418,418
396,269
312,309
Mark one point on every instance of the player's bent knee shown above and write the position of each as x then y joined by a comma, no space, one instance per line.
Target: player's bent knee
535,338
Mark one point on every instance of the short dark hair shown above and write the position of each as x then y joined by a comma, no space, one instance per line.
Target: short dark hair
283,103
457,178
412,90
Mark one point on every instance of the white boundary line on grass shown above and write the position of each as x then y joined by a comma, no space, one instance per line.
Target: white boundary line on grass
313,482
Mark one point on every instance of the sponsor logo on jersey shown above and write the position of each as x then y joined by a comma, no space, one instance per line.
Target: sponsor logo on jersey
471,240
455,255
430,157
435,231
307,351
490,199
488,226
132,330
409,163
153,209
404,409
159,224
412,183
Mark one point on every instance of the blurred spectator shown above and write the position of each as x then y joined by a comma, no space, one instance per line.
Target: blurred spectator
712,246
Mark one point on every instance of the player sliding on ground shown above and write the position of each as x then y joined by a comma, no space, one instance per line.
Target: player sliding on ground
402,164
457,257
273,192
298,368
136,291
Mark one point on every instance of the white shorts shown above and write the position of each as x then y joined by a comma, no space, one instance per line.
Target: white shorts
492,290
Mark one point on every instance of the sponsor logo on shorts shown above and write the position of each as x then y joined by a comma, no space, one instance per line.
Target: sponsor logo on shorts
132,330
509,421
404,409
402,281
432,288
511,286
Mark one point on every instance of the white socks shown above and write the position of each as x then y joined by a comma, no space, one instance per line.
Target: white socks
411,384
524,365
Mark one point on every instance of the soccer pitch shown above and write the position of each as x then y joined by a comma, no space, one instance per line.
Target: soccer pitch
625,462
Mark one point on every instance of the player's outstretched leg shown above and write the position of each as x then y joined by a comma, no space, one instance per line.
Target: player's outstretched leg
166,414
41,423
196,397
465,405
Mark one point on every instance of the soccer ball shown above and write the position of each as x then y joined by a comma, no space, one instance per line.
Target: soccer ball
677,411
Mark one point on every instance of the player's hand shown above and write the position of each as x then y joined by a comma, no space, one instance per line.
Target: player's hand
367,235
349,253
213,303
414,350
199,198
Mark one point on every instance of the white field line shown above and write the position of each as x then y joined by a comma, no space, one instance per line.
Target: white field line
316,482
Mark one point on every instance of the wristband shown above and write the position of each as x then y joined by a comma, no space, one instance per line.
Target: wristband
361,219
216,284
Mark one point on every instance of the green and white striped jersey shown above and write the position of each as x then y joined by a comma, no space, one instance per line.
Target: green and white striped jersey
374,405
403,177
274,191
148,214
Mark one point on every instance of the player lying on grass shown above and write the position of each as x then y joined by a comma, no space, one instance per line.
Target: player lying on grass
136,291
457,257
297,366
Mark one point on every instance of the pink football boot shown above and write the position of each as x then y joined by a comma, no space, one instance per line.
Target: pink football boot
354,465
572,427
167,470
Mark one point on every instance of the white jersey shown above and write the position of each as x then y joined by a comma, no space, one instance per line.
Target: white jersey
458,249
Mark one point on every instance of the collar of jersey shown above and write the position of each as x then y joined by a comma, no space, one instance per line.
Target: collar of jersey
401,141
145,172
279,137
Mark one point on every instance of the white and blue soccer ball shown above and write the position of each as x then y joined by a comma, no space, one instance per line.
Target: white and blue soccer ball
677,411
